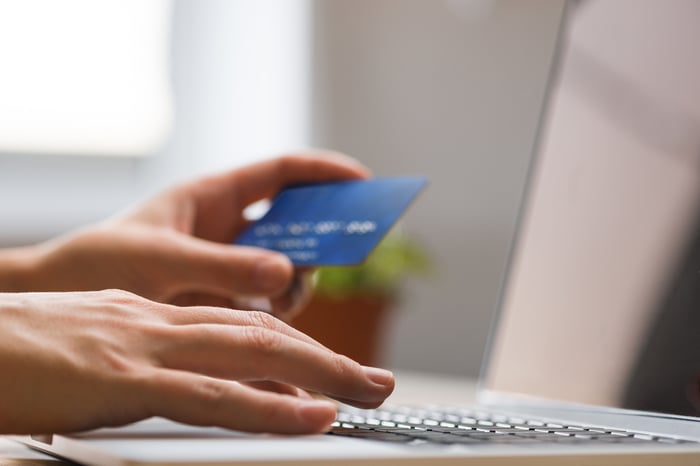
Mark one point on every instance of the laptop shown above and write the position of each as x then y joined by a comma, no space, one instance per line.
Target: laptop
594,354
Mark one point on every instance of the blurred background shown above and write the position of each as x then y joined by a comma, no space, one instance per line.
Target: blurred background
104,103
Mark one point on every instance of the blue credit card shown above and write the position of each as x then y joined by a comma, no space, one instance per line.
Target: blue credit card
336,223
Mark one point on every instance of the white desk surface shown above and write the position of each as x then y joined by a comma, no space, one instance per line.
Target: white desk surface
411,388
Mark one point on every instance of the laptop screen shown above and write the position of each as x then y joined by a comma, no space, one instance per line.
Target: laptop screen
602,301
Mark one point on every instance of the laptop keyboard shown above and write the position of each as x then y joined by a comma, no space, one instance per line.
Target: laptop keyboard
466,427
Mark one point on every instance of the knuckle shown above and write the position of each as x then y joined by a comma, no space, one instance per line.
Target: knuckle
284,161
121,296
263,320
265,341
208,314
122,304
289,163
119,363
212,393
156,332
115,360
344,366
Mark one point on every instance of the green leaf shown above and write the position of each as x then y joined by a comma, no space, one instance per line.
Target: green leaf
395,258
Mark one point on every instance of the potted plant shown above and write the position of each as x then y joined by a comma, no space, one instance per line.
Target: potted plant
350,305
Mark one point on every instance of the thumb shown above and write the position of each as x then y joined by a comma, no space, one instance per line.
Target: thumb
227,270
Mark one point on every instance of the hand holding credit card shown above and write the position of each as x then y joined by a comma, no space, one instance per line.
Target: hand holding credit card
336,223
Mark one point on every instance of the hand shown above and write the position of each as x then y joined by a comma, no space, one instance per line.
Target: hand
76,361
176,248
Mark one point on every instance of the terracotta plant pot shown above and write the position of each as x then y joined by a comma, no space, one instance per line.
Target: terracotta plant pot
351,325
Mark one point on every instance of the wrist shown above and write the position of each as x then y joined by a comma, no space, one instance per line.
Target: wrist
18,269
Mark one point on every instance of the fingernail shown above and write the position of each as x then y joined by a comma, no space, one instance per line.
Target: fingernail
317,412
379,376
271,274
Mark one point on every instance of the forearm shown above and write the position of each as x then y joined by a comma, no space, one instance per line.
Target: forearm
18,266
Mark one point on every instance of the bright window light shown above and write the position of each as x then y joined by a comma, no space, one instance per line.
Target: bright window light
84,76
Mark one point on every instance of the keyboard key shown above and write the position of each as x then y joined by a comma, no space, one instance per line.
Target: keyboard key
371,435
459,425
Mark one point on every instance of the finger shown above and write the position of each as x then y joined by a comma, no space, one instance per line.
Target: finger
253,353
277,387
204,401
287,305
267,178
221,199
231,317
196,265
290,304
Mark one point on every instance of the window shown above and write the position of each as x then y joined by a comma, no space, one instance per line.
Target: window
84,77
